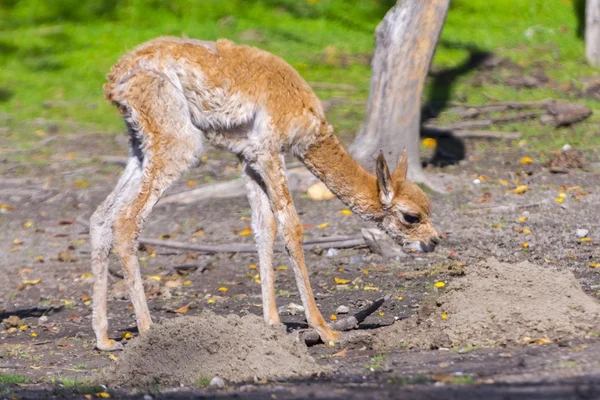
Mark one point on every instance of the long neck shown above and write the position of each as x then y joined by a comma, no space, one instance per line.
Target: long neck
329,161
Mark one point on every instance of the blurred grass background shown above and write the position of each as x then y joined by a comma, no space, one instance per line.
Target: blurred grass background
54,54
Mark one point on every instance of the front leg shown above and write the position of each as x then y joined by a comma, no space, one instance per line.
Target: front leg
291,230
265,229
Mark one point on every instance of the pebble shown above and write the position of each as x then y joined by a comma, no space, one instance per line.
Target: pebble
476,181
332,252
566,148
357,259
217,382
43,319
581,233
342,310
148,397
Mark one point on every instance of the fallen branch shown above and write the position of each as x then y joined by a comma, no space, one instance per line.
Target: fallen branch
246,248
443,131
515,105
114,160
299,179
338,242
484,123
33,149
513,207
472,111
311,337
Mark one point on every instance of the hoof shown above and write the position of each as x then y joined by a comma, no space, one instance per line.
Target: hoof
109,345
328,335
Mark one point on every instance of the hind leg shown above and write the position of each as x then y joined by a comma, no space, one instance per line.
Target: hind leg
161,169
101,240
167,145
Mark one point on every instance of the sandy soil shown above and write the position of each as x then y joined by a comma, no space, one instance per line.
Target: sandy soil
44,263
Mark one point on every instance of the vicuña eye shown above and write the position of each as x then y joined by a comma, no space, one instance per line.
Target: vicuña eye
411,218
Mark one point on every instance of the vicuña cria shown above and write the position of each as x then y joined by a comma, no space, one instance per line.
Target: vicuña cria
176,93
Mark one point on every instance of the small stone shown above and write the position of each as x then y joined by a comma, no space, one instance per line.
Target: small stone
476,181
332,252
43,319
581,233
342,310
566,147
357,259
148,397
217,382
317,250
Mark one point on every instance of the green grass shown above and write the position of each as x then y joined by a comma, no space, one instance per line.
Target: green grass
12,379
76,385
54,54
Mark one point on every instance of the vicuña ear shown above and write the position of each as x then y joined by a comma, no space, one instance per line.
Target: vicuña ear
402,168
384,181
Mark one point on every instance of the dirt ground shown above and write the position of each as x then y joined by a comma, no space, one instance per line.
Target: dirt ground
47,285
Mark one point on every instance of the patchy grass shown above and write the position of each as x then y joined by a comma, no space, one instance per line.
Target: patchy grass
54,55
12,379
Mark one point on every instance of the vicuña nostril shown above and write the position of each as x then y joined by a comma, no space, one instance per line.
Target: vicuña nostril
434,241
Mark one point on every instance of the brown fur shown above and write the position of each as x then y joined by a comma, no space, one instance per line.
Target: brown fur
174,92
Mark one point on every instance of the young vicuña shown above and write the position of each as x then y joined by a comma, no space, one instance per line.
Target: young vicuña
175,93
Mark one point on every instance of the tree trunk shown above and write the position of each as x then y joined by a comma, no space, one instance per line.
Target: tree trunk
592,32
404,45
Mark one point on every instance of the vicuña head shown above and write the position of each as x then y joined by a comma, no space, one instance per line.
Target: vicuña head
405,208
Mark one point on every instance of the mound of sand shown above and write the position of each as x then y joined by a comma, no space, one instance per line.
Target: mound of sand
499,304
186,349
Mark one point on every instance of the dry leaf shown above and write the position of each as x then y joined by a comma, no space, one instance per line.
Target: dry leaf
192,183
520,189
173,283
245,232
373,288
28,224
223,289
593,265
333,317
526,160
585,239
341,281
525,245
342,353
559,200
186,308
319,191
346,212
81,183
445,315
252,266
104,395
112,357
323,225
439,284
31,282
